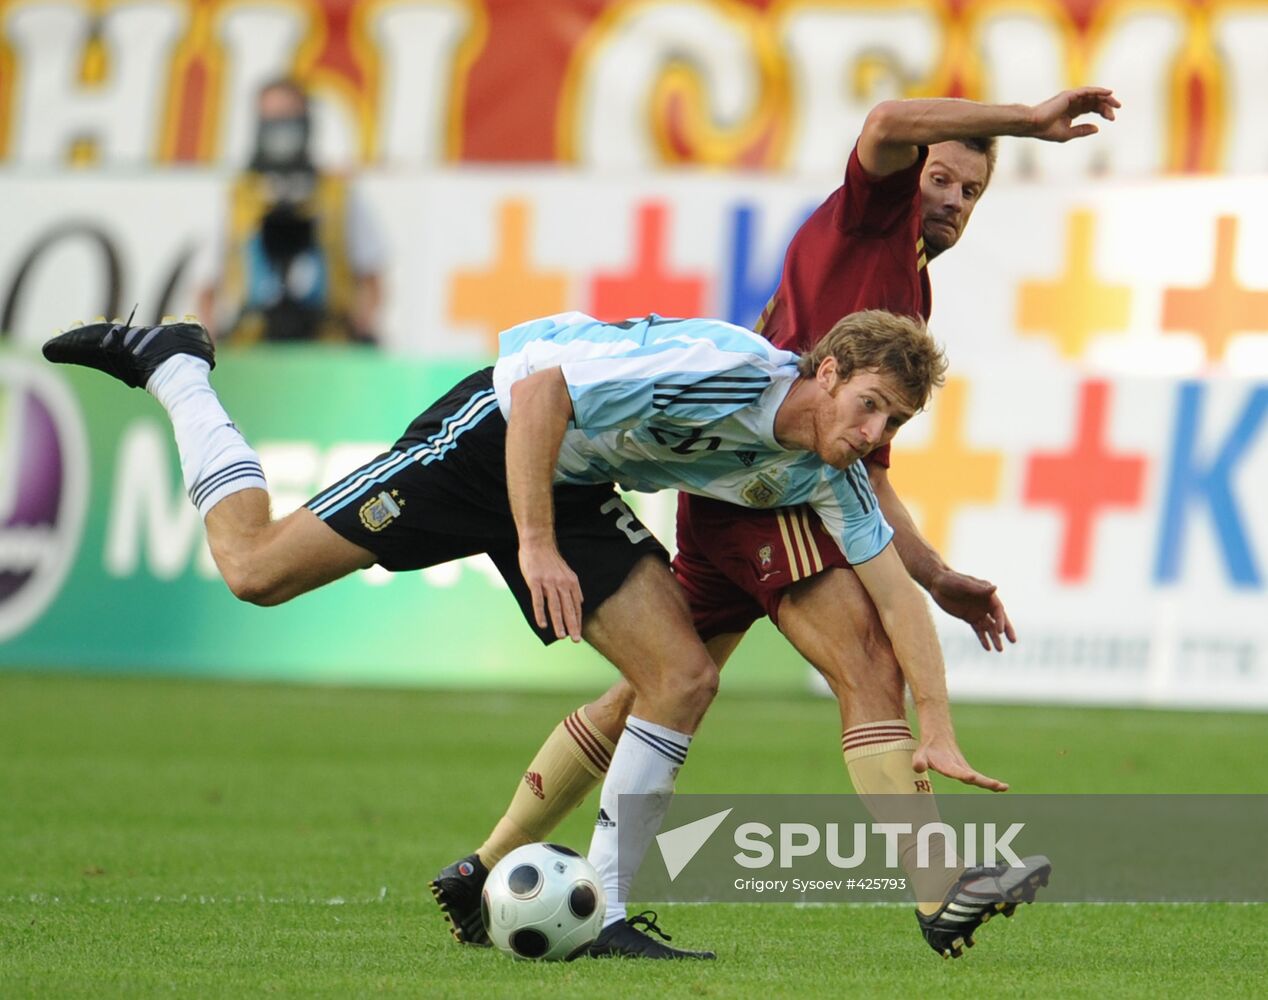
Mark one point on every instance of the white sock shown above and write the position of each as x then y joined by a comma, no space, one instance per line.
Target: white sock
216,460
645,762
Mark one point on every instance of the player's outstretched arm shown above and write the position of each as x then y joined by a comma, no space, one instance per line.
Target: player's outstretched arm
906,618
540,411
959,595
893,129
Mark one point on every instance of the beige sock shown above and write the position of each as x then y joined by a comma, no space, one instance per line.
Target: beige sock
570,763
878,757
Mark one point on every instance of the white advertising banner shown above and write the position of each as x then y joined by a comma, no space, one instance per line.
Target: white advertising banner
1101,451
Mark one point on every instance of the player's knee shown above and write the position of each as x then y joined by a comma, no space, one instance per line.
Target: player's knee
685,684
696,682
701,673
254,585
251,591
707,689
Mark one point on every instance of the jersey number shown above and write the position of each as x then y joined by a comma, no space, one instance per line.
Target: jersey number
687,443
625,520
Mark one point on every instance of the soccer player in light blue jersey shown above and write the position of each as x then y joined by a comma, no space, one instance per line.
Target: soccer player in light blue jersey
705,393
519,461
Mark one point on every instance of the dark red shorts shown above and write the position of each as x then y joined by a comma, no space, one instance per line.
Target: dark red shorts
735,563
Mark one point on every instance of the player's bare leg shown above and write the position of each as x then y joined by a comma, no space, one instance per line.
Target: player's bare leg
645,629
607,712
263,561
668,676
833,623
566,768
569,765
574,757
268,562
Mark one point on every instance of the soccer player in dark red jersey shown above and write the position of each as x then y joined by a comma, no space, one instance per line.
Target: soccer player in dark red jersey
911,184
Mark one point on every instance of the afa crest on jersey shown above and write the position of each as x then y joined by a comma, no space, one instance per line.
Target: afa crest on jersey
765,489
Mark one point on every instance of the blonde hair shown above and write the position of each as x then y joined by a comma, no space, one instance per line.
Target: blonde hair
884,342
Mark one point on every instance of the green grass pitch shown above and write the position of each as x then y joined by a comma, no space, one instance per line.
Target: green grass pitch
162,837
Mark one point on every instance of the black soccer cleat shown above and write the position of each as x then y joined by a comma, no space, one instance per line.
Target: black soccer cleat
623,939
457,890
978,895
130,353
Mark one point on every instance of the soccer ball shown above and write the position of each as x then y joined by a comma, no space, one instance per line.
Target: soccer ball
543,901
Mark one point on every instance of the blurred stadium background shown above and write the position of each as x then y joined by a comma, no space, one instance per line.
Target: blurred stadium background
1101,451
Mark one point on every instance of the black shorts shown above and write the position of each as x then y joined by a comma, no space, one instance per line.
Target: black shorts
440,494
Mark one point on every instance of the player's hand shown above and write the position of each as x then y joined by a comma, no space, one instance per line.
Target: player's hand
942,754
976,602
554,588
1054,118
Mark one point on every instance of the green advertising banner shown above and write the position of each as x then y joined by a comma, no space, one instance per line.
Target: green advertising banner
103,565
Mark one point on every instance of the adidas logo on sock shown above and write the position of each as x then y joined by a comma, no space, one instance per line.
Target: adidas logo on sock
604,821
534,782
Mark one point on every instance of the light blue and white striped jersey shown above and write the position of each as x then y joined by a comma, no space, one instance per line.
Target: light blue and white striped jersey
686,404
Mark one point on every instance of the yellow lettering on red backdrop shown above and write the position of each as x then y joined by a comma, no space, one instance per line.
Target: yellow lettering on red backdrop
844,58
417,58
639,59
1198,93
650,82
254,43
335,78
682,106
87,81
1239,34
1029,51
191,117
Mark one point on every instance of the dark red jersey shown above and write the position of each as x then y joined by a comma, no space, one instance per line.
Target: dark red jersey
860,249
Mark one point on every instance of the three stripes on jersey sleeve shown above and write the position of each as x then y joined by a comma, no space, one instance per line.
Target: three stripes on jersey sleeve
739,390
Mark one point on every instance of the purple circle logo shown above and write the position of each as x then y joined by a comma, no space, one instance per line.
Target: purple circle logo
43,490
